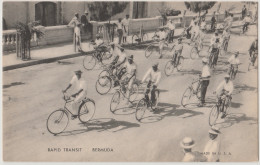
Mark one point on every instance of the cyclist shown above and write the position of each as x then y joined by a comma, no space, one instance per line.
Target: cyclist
225,37
224,89
203,24
214,51
195,31
234,62
253,49
153,75
246,21
129,69
98,46
204,81
214,38
178,51
80,87
162,37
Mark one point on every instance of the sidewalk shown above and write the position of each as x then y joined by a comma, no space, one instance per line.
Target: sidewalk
47,54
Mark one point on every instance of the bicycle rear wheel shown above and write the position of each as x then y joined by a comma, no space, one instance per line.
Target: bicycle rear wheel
150,50
134,92
89,62
103,85
213,116
140,109
86,110
186,97
168,68
180,64
194,54
115,101
57,122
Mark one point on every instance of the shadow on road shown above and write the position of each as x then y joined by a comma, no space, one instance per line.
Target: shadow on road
244,87
235,118
13,84
101,124
183,72
65,62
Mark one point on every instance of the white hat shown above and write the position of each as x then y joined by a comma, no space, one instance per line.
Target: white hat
204,60
214,130
86,11
187,142
155,63
227,76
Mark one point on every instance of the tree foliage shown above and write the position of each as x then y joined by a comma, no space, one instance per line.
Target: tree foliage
102,11
197,7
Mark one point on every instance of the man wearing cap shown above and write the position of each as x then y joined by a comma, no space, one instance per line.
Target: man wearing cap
187,144
75,22
125,23
153,77
234,62
178,51
204,81
212,147
224,89
80,90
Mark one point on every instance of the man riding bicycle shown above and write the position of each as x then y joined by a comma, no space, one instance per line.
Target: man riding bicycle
246,21
153,76
225,37
253,51
195,31
214,51
80,88
129,68
177,53
99,46
162,38
234,62
224,91
214,38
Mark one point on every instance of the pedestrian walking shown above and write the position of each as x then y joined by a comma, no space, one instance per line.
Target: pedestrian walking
205,76
212,148
125,23
189,156
75,22
213,22
119,25
244,11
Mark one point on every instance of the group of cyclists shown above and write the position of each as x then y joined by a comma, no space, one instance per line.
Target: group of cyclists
122,64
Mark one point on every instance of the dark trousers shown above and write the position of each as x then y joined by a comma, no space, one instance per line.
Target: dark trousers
213,26
120,35
204,86
245,27
171,35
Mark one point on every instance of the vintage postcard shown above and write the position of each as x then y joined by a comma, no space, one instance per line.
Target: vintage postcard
130,81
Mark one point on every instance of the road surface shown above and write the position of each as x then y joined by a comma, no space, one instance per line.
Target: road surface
30,94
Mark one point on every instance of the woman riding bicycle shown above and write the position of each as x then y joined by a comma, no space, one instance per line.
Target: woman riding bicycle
153,76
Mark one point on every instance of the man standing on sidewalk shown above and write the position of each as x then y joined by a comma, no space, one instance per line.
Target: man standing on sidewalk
85,22
119,26
205,76
75,22
244,11
213,22
125,23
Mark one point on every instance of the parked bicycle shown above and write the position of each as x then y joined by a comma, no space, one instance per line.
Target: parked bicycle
58,120
222,106
192,90
140,37
101,55
121,95
147,101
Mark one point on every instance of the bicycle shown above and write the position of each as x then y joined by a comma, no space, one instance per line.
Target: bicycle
146,102
222,105
100,55
195,50
224,46
233,71
173,63
140,37
192,90
58,120
120,94
213,58
252,60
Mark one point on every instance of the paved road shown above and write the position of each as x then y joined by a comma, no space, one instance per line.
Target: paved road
30,94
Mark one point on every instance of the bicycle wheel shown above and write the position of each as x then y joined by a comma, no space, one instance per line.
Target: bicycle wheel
186,97
168,68
86,110
151,49
140,109
134,92
180,64
106,57
194,54
213,116
145,37
103,85
115,101
103,73
57,122
135,39
89,62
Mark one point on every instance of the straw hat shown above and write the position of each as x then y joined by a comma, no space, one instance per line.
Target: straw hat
187,142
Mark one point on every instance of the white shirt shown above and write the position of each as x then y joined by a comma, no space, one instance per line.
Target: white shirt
162,35
79,84
203,25
226,86
233,60
125,22
205,71
188,157
196,29
122,56
98,42
246,19
75,22
178,47
119,25
155,77
213,39
192,23
225,35
170,25
211,149
130,68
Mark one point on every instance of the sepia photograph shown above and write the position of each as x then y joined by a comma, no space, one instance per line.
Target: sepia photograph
130,81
